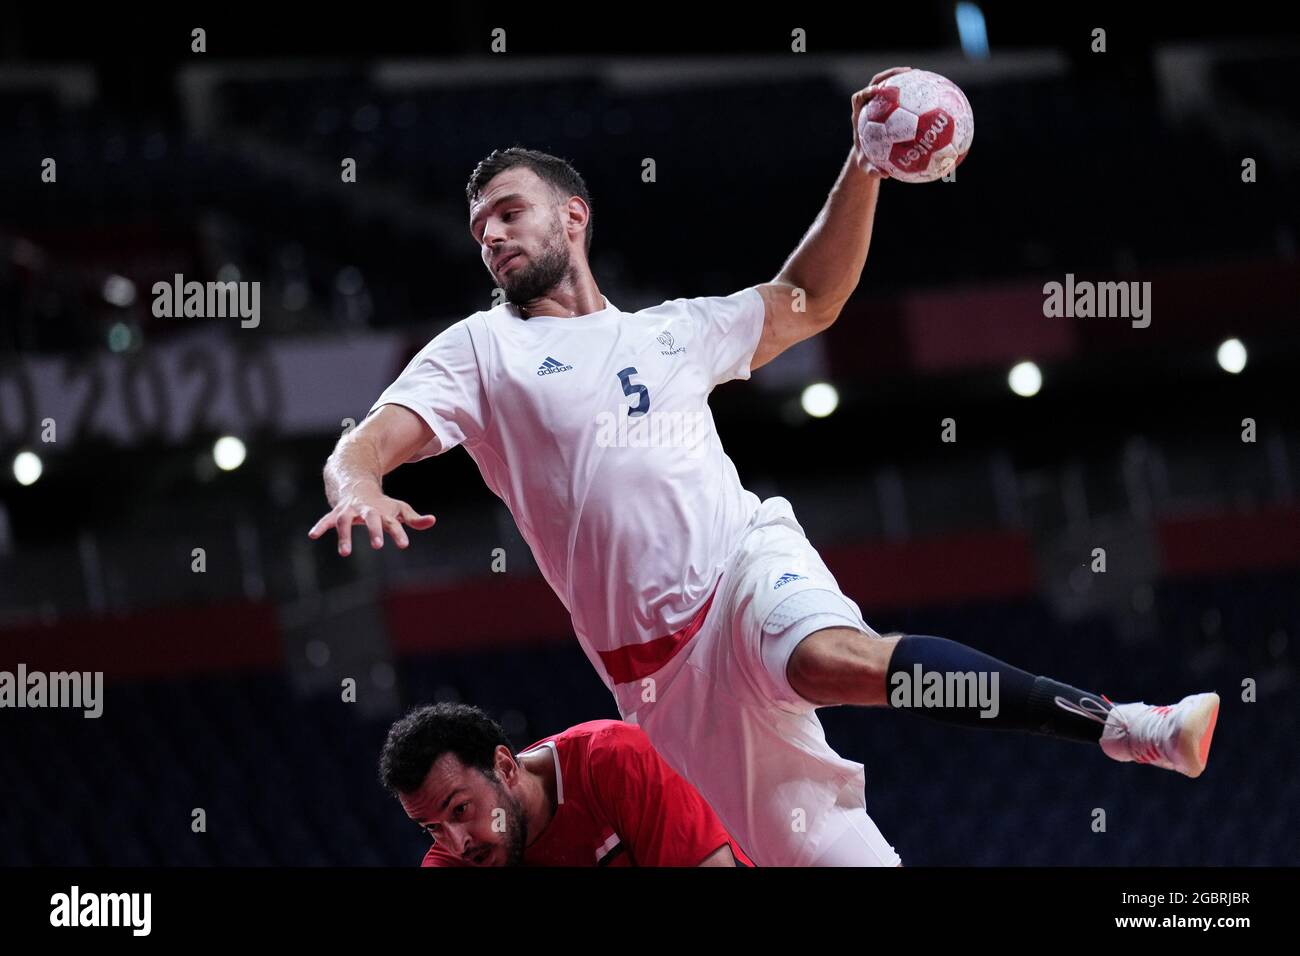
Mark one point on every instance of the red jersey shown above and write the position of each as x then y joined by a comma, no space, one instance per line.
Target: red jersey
617,804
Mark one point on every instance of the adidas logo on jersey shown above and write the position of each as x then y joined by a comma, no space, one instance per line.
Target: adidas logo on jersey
786,578
551,366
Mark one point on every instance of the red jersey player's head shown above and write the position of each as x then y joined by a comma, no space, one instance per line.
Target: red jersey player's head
530,214
456,776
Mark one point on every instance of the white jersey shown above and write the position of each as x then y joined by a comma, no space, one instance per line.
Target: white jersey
596,433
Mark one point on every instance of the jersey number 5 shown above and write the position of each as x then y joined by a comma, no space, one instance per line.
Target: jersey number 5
629,388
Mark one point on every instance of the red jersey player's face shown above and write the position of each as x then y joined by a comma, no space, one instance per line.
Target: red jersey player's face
468,814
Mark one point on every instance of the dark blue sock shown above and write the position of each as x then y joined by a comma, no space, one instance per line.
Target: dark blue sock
957,684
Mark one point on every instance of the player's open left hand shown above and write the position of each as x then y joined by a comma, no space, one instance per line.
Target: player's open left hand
860,99
379,513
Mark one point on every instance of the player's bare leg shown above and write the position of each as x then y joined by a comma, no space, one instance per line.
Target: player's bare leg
842,665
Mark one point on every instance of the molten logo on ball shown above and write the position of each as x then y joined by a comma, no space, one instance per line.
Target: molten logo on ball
938,134
917,127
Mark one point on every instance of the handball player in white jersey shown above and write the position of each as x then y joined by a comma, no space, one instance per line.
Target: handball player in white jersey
707,613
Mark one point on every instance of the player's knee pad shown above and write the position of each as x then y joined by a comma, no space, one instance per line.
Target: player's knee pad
811,610
795,618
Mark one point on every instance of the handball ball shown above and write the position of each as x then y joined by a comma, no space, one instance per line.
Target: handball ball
918,127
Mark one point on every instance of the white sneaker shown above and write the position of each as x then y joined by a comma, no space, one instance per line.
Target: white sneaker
1175,737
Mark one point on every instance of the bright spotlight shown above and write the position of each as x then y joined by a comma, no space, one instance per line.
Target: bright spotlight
27,467
1232,356
228,453
1025,379
819,399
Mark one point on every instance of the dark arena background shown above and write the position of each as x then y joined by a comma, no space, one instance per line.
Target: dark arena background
1131,526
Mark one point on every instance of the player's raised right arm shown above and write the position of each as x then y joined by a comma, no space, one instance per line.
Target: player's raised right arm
354,479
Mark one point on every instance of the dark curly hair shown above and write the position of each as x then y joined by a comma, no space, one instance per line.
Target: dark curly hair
416,742
563,179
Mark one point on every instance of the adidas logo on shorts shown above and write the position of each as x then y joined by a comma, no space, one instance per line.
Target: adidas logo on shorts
786,578
551,366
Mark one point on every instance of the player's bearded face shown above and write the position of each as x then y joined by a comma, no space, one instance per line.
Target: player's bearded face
486,839
516,835
539,273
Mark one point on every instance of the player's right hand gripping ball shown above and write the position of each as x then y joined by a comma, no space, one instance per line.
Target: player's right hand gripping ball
917,127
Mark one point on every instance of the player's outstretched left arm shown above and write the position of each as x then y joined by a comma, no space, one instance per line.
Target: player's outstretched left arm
817,280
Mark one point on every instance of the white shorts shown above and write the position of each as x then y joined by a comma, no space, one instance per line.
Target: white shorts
725,717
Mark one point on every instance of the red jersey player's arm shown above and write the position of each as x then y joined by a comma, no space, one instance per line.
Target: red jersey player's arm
661,819
722,856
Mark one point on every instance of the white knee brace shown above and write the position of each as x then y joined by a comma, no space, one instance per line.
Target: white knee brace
795,618
811,610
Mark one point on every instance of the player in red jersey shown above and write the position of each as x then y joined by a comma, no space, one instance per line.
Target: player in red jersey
596,794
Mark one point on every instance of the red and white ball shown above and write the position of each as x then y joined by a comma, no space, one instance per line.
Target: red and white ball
918,127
